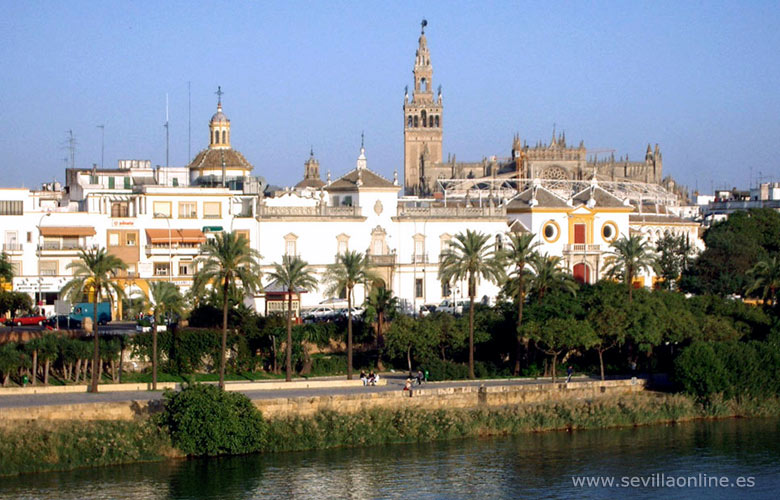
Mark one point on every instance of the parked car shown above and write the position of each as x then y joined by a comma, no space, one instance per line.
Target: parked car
63,322
427,309
357,312
455,307
27,320
320,314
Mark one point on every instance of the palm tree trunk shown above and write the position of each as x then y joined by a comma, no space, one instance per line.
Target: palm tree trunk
96,344
380,324
349,333
288,376
471,331
224,334
121,356
46,365
34,367
630,279
522,343
154,355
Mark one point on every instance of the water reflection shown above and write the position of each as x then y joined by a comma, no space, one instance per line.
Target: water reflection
531,465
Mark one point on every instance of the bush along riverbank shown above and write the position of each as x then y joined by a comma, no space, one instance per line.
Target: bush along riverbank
202,421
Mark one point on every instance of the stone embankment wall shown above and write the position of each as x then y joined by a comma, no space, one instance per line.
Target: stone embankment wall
429,398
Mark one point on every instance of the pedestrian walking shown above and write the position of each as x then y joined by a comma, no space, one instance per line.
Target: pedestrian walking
569,372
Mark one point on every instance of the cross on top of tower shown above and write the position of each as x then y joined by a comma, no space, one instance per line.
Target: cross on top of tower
219,95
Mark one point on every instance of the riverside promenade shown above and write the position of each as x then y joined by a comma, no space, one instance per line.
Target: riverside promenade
325,393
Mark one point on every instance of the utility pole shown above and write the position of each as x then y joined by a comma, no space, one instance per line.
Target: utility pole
189,122
102,144
71,146
166,132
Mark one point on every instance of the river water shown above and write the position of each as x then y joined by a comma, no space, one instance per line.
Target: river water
688,458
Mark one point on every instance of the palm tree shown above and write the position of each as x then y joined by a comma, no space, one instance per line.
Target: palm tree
293,274
93,274
223,260
382,301
630,256
549,274
470,257
164,299
6,270
766,276
350,269
519,253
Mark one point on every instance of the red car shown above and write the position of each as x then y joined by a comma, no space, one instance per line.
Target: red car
27,319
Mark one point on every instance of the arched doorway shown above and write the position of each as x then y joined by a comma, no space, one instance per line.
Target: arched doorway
581,273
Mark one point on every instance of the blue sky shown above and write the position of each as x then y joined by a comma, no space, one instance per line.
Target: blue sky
702,79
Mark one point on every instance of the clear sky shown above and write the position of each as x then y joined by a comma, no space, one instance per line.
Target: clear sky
702,79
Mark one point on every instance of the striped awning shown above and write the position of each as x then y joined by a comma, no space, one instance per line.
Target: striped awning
175,236
67,231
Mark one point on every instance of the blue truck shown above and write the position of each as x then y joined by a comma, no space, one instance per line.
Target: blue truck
86,310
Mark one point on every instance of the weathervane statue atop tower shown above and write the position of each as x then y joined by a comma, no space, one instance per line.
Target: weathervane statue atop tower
424,23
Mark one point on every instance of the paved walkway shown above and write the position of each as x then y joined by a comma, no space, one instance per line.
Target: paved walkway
395,382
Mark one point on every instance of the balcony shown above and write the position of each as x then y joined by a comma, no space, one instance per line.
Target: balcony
582,249
12,247
419,258
457,211
67,247
175,249
315,211
381,260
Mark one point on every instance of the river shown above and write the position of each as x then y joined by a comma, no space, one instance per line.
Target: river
743,453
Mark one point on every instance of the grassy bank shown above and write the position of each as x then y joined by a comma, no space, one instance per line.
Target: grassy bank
43,446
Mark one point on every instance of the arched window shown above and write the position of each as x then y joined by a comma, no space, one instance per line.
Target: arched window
437,121
409,121
416,124
430,121
224,135
216,137
423,118
423,85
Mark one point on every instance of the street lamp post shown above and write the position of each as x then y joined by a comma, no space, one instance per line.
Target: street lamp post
40,250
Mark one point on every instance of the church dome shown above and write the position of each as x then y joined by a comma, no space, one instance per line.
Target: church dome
219,117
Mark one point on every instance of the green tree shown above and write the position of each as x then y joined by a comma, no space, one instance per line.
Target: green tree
293,275
471,257
733,246
673,255
92,276
163,300
519,254
11,359
549,275
765,277
6,270
223,260
350,269
561,335
407,336
380,303
608,312
630,256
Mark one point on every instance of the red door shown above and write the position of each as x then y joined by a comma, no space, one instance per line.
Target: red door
581,273
579,234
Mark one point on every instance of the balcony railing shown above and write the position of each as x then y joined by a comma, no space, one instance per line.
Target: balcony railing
65,245
382,260
316,211
12,247
456,211
581,248
419,258
176,249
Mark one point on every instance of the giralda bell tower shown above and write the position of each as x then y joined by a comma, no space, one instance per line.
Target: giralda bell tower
422,124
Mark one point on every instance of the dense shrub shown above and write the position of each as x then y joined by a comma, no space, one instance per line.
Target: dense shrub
204,420
732,369
445,370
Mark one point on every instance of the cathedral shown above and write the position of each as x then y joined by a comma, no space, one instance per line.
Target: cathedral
425,165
